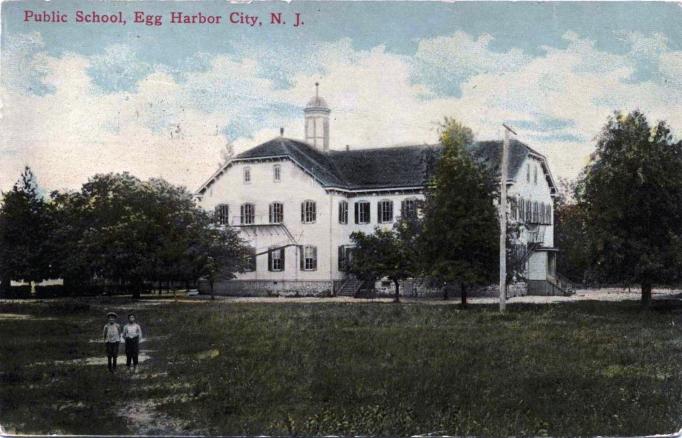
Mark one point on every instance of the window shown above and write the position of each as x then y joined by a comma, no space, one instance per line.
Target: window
385,211
535,175
251,260
276,260
276,213
549,214
247,175
528,172
343,212
536,218
309,258
277,172
248,214
529,211
222,214
308,212
362,212
408,208
544,213
522,209
343,266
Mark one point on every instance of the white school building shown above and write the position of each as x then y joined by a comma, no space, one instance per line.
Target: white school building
297,202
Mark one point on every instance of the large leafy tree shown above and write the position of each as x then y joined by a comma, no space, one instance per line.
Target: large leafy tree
132,232
25,226
631,194
384,253
459,239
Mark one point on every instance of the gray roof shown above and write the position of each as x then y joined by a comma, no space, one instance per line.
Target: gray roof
377,168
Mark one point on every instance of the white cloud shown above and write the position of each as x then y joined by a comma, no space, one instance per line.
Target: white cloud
172,125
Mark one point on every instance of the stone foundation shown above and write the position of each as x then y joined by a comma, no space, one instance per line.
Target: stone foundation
267,288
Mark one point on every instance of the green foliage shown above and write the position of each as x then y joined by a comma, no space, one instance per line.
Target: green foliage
570,235
631,194
117,229
385,253
25,224
459,240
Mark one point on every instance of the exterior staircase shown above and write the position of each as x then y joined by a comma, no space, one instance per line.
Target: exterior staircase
350,287
560,285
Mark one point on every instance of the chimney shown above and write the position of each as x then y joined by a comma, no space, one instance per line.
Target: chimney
281,132
347,147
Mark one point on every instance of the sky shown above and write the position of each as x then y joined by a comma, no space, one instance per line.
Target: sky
164,101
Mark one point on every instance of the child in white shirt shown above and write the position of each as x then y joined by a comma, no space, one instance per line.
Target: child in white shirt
132,334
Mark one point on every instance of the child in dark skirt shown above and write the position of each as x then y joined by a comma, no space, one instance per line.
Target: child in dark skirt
132,333
112,337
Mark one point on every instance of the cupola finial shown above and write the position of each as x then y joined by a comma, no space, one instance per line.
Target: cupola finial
317,89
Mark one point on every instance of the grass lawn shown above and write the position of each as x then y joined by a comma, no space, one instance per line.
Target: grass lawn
582,368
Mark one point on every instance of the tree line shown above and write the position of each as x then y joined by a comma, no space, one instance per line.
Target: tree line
117,230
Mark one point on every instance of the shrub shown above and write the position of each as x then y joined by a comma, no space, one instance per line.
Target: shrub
16,292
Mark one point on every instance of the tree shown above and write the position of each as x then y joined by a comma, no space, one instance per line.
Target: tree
631,195
121,230
459,239
382,254
219,253
25,226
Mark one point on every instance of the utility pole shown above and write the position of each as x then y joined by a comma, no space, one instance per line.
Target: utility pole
503,217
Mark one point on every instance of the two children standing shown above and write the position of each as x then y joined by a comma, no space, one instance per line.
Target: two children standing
113,335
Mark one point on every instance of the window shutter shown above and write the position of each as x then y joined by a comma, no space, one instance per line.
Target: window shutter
380,209
357,213
302,254
283,251
269,260
314,258
340,259
302,211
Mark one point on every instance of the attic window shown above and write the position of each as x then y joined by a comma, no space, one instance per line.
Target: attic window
277,172
247,175
535,175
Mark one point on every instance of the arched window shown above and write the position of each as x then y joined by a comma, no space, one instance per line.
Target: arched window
343,212
308,212
362,212
385,211
222,214
276,213
248,214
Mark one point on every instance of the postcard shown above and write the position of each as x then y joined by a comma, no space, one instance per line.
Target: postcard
348,218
